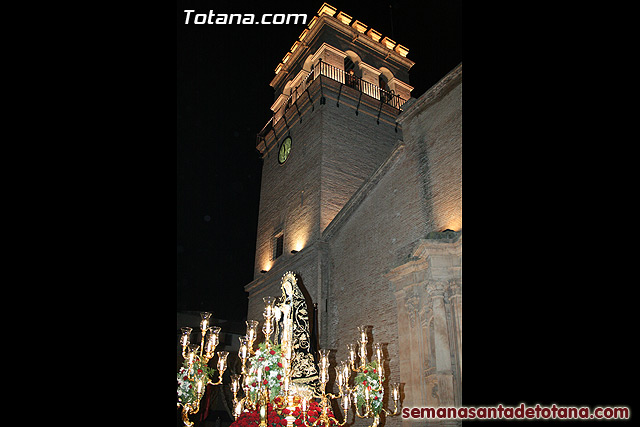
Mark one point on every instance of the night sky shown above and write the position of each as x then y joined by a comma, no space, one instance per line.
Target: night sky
223,100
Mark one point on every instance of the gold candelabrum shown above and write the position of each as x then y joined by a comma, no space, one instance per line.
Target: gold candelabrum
363,406
193,354
362,395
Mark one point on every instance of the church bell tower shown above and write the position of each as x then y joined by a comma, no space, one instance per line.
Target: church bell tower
338,93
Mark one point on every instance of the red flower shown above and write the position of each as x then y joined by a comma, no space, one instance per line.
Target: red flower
266,368
375,397
278,376
199,371
255,384
286,411
185,378
366,372
271,352
279,365
298,422
265,382
364,382
375,372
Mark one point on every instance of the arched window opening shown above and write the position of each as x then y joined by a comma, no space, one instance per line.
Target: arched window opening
385,92
350,73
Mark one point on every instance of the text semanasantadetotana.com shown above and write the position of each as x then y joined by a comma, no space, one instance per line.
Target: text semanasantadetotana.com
522,412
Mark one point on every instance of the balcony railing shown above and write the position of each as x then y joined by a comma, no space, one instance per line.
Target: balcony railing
374,91
338,75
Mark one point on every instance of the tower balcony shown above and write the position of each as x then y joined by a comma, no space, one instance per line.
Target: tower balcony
329,76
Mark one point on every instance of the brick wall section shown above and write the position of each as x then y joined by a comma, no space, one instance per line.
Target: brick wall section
432,130
353,148
390,218
283,205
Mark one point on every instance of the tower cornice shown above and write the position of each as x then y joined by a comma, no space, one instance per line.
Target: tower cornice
357,32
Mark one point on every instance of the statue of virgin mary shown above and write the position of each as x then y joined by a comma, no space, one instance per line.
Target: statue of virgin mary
293,333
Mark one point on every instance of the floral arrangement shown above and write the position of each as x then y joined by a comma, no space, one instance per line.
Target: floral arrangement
251,418
369,378
313,412
265,367
187,389
276,415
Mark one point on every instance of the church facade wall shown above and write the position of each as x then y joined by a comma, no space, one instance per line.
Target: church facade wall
384,271
379,234
432,131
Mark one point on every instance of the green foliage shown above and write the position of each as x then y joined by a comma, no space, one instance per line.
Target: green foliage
370,379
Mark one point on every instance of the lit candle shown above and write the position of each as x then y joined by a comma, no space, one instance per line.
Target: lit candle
268,308
345,404
346,371
222,361
185,338
266,328
363,353
214,337
363,333
205,321
324,358
352,353
378,348
242,352
251,330
199,386
396,391
323,376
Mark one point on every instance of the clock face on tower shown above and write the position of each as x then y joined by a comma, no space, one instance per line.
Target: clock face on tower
285,148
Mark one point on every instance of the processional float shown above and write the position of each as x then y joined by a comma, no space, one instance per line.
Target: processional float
282,375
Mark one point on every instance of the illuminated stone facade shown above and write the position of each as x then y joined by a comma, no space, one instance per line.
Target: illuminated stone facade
372,181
